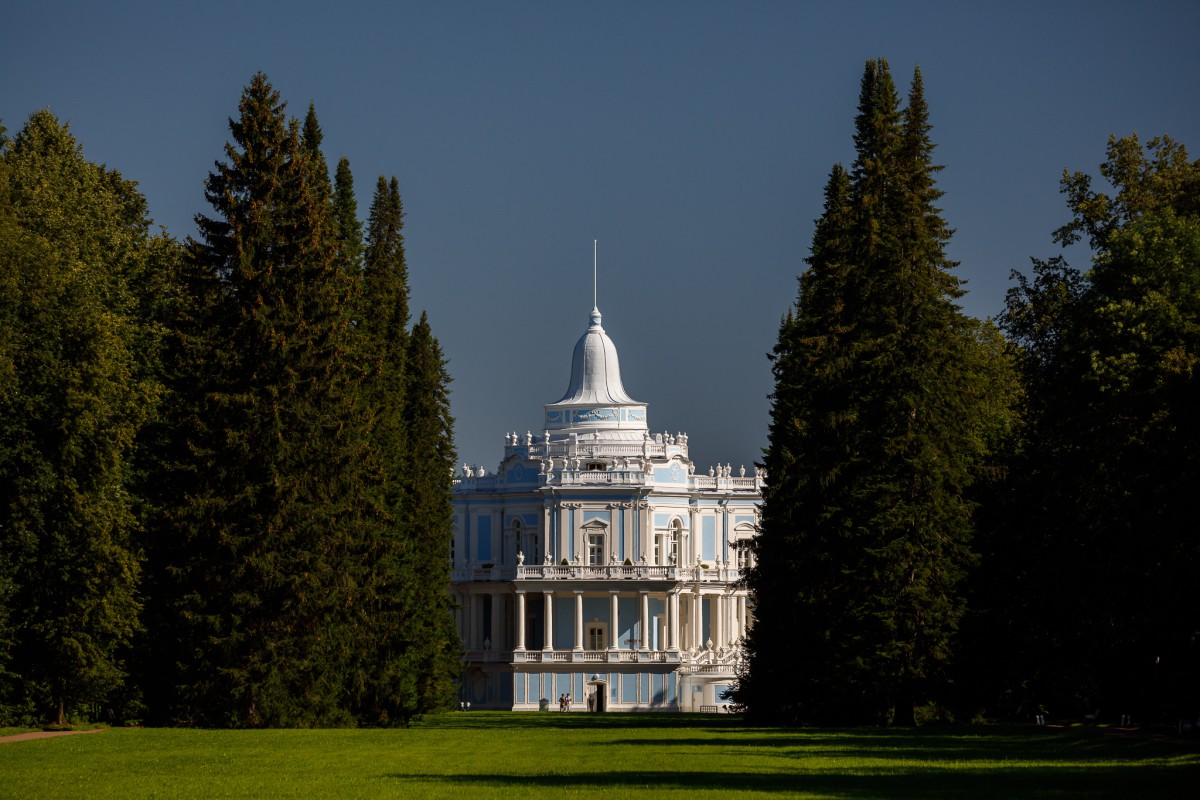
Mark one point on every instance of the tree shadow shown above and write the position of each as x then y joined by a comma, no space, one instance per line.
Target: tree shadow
556,720
861,784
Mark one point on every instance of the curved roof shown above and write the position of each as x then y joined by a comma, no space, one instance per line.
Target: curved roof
595,371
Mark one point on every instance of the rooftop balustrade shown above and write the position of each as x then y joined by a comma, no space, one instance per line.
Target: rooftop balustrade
623,656
612,572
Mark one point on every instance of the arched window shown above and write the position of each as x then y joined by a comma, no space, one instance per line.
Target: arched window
667,543
675,536
743,534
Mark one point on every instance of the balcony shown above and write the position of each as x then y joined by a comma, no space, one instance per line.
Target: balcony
612,572
576,656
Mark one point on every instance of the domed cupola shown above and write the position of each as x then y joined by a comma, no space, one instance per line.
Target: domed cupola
595,399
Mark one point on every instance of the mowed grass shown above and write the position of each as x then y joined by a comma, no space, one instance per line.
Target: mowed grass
487,755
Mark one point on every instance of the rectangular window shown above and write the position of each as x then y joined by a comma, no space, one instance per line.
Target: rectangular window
596,549
596,640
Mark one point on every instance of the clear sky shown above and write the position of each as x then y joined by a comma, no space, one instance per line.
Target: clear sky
692,139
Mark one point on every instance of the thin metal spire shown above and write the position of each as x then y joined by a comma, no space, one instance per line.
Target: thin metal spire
595,250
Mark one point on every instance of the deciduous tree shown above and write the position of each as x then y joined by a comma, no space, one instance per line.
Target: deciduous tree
75,390
1100,527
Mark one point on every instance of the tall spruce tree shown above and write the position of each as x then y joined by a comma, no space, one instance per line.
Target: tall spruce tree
75,390
437,649
270,578
391,680
347,229
877,428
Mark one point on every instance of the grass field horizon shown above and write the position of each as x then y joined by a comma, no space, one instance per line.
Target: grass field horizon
486,755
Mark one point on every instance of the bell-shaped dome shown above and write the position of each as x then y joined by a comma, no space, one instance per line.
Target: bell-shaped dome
595,371
595,398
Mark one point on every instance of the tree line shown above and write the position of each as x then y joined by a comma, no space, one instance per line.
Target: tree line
967,519
224,463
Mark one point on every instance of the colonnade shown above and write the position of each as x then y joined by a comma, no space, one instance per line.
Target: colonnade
729,618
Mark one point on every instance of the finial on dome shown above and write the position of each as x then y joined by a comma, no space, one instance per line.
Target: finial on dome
595,315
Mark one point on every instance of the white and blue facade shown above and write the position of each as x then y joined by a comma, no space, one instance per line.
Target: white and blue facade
595,562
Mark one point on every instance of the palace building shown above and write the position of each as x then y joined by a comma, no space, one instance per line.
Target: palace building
595,562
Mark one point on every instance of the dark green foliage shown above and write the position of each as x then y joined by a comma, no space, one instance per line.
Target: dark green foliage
391,694
431,464
237,413
413,433
270,579
879,425
1099,531
288,586
347,228
75,385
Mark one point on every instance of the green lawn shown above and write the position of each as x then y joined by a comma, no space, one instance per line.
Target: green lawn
483,755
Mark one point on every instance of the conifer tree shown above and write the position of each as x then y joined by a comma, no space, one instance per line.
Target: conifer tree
877,425
431,456
271,579
347,229
390,681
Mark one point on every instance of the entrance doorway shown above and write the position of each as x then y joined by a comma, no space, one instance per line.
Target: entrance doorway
598,701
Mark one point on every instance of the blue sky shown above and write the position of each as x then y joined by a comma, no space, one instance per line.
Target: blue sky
691,139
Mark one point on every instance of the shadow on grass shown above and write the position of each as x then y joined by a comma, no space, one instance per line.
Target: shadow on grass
1000,782
508,719
1072,748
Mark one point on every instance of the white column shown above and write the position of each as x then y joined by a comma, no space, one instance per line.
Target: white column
614,619
520,626
578,620
731,633
547,550
672,621
497,622
644,627
561,543
718,620
741,612
697,620
686,556
548,618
